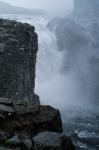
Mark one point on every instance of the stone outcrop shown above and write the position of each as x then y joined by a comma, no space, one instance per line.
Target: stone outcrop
52,141
48,119
21,115
18,49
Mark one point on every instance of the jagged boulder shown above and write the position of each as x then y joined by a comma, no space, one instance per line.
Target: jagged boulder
19,141
48,119
52,141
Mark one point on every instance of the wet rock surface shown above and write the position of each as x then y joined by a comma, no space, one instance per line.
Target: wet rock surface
3,148
23,121
48,119
18,49
14,141
52,141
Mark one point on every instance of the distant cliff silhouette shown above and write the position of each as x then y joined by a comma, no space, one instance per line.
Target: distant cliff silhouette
6,8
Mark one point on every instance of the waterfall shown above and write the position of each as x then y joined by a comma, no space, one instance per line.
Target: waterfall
74,87
49,62
54,87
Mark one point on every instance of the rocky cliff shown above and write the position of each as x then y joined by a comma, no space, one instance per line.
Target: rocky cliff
25,124
18,48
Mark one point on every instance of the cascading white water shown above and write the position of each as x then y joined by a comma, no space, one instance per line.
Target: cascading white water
70,89
62,90
49,61
54,87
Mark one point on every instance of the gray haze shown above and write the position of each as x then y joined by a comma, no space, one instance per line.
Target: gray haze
43,4
87,8
6,8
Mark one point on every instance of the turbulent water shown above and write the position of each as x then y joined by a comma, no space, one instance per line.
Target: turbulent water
64,90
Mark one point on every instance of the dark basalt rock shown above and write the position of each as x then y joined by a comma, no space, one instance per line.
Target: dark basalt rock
8,109
28,144
15,141
48,119
6,106
18,49
3,136
19,141
52,141
4,148
25,107
6,101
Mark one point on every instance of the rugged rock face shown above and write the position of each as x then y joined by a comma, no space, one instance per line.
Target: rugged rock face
52,141
18,48
21,115
48,119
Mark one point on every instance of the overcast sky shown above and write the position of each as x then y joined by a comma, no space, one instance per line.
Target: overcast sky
43,4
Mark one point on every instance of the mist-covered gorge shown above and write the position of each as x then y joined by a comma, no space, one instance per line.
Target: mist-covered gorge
67,62
67,72
78,40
